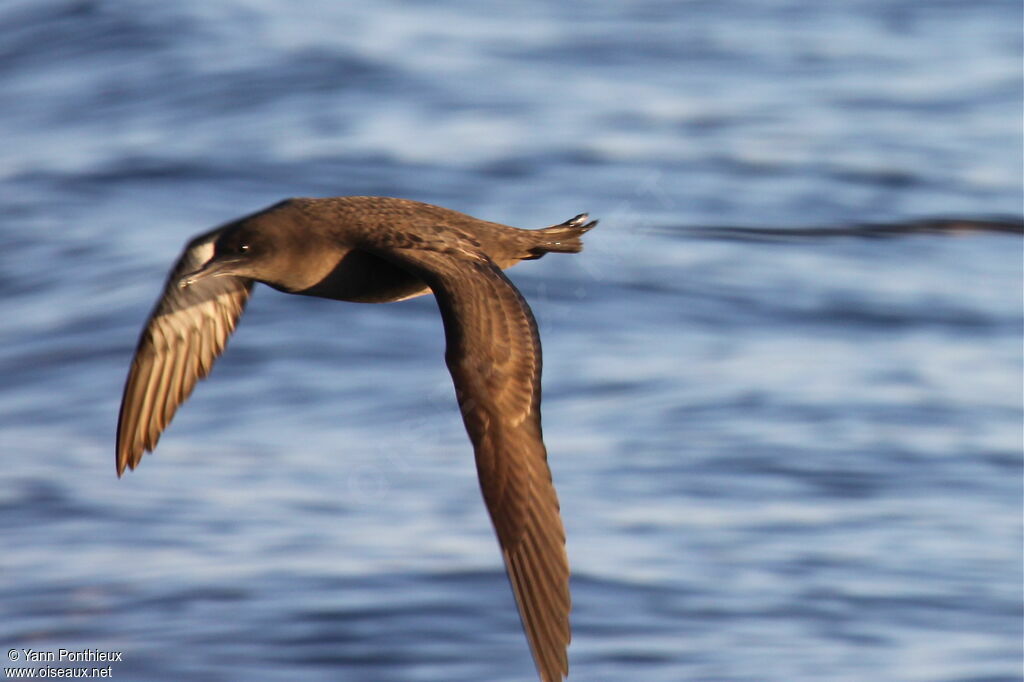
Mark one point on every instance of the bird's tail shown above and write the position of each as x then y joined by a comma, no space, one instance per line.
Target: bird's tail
564,238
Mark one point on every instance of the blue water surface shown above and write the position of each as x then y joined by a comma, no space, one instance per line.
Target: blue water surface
795,458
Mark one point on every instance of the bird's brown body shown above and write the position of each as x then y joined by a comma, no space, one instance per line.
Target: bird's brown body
376,250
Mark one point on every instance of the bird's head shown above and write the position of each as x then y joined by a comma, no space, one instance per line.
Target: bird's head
264,247
239,251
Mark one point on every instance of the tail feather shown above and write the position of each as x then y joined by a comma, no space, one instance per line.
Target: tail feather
564,238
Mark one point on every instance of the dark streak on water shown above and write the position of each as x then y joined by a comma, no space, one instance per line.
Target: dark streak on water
937,226
788,447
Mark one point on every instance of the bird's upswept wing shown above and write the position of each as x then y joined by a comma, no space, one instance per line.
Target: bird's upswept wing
185,333
494,355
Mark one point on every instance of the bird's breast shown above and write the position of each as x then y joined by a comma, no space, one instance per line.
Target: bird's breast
362,277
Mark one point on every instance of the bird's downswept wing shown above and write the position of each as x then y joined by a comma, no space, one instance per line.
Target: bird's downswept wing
494,355
185,333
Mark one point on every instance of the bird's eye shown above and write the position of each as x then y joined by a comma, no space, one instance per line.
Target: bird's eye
243,248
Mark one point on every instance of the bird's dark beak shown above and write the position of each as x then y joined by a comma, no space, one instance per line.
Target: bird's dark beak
215,267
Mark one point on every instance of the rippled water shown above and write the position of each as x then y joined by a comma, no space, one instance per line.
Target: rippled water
785,450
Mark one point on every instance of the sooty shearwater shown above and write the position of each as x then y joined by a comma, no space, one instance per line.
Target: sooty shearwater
375,250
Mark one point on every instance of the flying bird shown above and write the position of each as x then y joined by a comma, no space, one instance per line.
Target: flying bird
377,250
